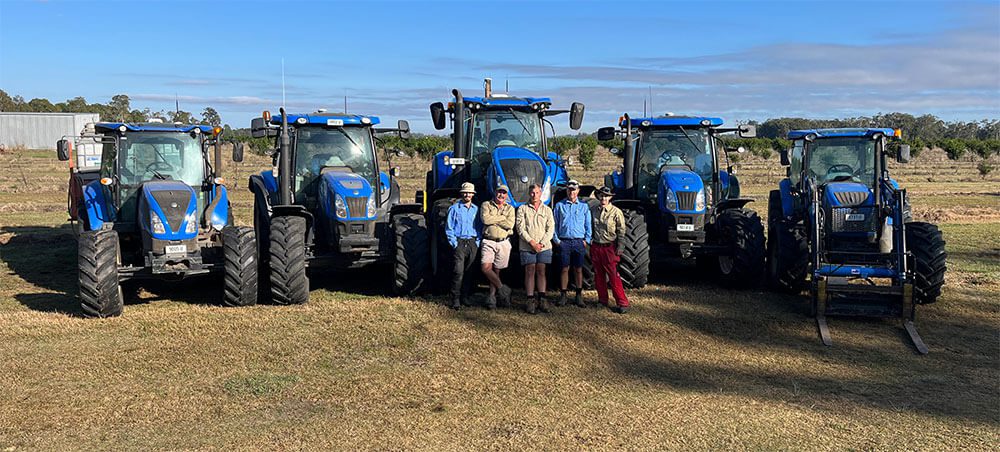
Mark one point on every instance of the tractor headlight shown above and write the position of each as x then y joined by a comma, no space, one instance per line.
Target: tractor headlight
341,206
546,191
671,200
192,224
371,206
156,224
699,200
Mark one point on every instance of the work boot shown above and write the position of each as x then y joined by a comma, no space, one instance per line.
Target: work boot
491,302
578,301
456,303
543,304
530,307
620,309
504,292
562,299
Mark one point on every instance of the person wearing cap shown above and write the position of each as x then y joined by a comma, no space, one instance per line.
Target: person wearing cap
497,217
573,235
609,229
462,229
535,227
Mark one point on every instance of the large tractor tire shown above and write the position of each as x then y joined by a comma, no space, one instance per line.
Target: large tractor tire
927,245
742,232
787,250
239,252
262,231
289,283
634,264
411,267
98,258
445,256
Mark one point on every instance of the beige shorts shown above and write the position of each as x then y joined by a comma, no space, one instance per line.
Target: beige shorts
496,253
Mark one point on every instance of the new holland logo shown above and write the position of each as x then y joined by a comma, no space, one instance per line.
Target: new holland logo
687,187
524,179
173,205
356,192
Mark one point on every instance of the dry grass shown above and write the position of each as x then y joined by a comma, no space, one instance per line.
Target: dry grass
694,365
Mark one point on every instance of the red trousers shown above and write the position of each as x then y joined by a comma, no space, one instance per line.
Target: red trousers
606,270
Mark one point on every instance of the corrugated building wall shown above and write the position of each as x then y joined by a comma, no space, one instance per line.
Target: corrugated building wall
41,130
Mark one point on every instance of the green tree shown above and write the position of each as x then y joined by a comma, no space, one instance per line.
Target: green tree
6,102
182,117
588,145
210,117
120,108
41,106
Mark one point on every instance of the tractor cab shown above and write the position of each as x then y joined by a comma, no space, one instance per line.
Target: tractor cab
501,141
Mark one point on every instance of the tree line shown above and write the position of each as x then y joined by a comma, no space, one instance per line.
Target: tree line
119,109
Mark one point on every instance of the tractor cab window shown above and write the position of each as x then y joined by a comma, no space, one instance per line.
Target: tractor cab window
144,156
842,159
661,150
495,128
795,162
319,150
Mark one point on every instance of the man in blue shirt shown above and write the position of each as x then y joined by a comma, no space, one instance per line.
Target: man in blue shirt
462,229
573,234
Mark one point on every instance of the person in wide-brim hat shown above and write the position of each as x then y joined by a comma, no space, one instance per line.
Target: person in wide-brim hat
605,250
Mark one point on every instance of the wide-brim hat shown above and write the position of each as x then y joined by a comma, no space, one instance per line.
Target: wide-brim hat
605,191
468,187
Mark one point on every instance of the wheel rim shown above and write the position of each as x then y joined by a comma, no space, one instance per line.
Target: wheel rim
726,264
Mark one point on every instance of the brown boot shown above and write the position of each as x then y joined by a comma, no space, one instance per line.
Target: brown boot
543,304
579,299
530,306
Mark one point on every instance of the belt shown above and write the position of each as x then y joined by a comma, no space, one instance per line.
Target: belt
570,238
472,239
602,244
494,239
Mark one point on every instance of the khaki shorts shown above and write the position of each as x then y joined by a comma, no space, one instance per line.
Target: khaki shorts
496,253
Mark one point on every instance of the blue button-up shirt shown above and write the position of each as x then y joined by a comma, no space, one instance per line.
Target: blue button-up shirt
463,223
573,220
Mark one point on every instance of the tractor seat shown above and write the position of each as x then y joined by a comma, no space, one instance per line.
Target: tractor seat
505,143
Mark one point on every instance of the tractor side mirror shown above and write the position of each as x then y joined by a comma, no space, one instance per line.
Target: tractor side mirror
394,172
437,115
62,150
903,156
237,151
404,129
576,115
784,157
259,129
605,133
747,131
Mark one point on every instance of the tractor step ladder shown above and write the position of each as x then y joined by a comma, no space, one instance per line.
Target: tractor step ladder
865,301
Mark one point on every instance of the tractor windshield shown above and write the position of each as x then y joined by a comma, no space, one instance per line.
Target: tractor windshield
144,156
495,128
660,150
321,149
842,159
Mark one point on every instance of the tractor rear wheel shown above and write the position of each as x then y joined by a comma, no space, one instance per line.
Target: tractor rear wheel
412,253
787,250
97,273
239,250
741,231
444,264
927,245
289,284
634,264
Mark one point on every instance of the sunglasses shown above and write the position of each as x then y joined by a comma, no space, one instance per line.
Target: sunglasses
501,192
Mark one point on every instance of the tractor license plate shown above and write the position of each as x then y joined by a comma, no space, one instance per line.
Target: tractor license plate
685,227
855,217
176,249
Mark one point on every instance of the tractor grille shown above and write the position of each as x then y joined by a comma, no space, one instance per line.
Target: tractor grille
520,174
685,200
851,198
358,206
169,198
839,223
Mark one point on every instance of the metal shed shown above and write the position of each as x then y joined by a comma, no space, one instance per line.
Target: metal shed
41,130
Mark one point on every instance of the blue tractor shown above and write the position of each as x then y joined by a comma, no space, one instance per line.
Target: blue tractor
679,202
159,209
498,140
839,219
327,202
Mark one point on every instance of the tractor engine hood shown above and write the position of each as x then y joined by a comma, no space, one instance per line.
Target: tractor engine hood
354,194
518,169
847,194
682,187
168,210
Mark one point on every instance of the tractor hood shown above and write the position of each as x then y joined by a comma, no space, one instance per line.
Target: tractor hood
519,168
682,186
847,194
354,191
170,204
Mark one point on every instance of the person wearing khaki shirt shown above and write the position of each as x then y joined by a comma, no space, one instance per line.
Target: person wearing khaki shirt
535,227
497,217
605,252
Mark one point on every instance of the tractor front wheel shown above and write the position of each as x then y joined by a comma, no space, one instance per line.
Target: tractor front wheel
927,245
240,266
97,265
412,257
289,284
741,231
634,264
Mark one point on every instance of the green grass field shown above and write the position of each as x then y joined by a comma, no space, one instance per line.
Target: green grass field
693,366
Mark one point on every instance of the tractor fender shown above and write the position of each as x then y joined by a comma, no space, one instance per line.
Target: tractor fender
442,171
218,213
262,202
735,203
96,208
787,200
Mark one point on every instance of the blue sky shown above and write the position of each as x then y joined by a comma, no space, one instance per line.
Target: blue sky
739,60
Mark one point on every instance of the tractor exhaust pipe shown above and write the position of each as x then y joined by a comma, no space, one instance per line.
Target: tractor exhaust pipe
629,165
459,151
218,156
284,163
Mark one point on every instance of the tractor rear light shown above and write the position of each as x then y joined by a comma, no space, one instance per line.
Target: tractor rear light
156,224
340,206
106,181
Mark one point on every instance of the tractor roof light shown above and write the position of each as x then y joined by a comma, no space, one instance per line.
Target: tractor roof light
810,137
216,130
122,128
366,120
647,123
706,122
898,133
196,130
301,120
106,181
266,115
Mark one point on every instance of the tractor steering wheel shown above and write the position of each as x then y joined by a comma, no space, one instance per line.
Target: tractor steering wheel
846,173
156,167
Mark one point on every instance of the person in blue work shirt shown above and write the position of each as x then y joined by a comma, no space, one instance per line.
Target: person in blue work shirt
573,233
463,229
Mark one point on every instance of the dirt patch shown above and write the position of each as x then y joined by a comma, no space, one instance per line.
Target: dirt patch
21,207
956,215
